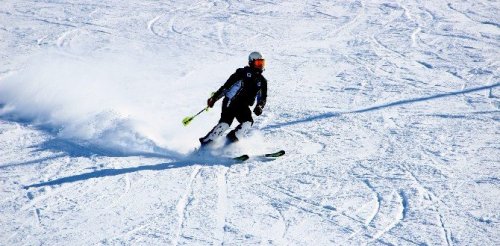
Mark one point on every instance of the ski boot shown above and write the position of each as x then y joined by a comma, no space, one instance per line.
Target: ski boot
215,133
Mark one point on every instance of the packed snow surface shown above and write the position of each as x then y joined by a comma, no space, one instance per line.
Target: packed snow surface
389,112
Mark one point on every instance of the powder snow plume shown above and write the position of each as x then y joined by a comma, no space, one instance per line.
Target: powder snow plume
120,103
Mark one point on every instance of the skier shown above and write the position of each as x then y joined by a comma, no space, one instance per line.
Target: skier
240,92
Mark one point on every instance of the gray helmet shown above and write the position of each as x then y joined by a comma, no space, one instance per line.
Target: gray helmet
256,60
255,56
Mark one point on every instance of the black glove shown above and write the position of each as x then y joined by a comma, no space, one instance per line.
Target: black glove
257,110
210,102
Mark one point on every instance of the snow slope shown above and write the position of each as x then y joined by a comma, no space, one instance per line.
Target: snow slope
389,112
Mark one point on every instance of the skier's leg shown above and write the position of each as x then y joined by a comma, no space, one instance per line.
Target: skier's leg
216,132
244,116
225,121
239,132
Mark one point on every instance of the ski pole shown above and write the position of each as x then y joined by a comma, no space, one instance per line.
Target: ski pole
188,119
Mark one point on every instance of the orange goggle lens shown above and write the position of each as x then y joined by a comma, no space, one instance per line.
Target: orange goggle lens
259,63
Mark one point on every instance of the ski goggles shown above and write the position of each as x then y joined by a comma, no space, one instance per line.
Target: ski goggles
259,63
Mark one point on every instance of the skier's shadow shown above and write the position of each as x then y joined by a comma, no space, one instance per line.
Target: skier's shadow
62,148
120,171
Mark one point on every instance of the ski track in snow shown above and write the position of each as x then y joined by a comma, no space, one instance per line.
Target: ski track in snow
222,204
388,112
183,204
151,24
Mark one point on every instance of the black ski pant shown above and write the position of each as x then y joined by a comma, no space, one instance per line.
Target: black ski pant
235,109
232,110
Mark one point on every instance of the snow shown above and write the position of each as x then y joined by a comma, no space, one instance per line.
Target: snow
389,112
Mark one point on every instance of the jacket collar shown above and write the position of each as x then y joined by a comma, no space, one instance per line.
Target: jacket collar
254,70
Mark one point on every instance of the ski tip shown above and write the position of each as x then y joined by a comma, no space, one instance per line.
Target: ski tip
241,158
275,154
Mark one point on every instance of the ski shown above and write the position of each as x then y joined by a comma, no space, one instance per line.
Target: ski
241,158
273,155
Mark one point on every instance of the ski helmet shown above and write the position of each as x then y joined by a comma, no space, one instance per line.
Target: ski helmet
255,59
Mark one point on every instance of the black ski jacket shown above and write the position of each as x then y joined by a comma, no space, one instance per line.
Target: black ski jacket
244,87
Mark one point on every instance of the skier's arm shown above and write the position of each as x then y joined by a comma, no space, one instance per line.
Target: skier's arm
261,98
230,82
